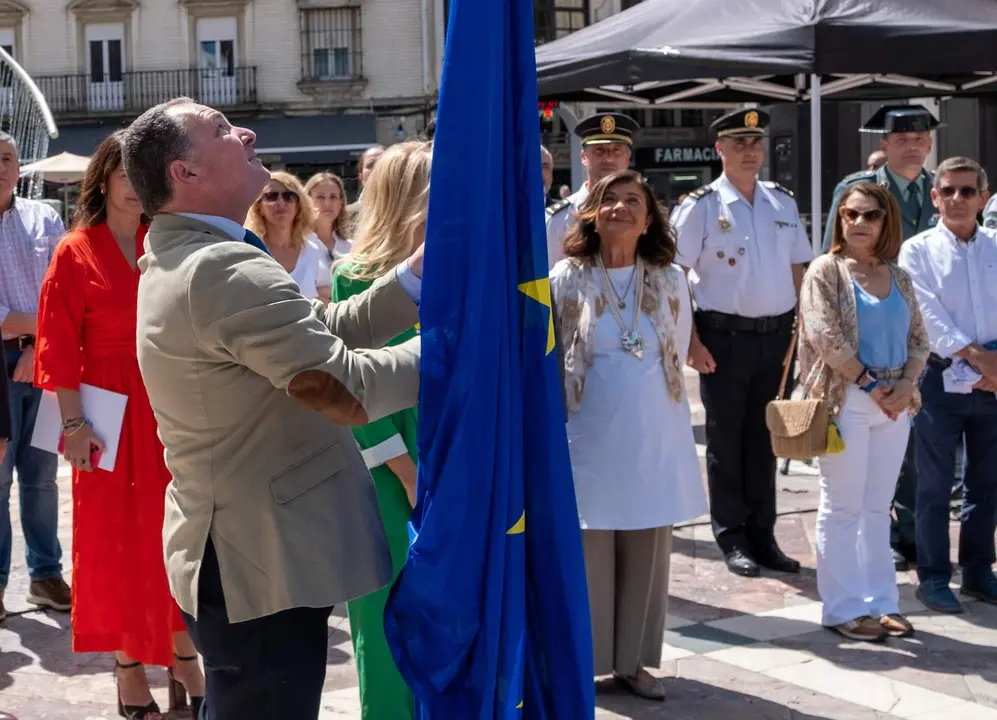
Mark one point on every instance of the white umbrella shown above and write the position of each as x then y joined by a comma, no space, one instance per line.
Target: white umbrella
62,168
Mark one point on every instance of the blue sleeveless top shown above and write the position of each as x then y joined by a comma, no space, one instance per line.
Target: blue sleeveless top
884,325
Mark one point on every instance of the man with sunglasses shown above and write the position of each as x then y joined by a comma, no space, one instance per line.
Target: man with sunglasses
906,142
954,270
746,243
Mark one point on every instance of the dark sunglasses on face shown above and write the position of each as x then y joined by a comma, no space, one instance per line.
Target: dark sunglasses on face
966,192
287,196
852,215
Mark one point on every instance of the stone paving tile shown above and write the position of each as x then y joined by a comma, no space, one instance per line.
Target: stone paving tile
736,647
703,639
701,687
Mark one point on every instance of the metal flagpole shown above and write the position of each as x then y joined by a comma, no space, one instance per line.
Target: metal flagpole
816,226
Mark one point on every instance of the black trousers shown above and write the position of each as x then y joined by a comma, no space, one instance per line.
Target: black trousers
902,535
740,466
263,669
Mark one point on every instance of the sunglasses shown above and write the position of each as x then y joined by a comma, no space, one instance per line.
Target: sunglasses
967,192
275,195
851,215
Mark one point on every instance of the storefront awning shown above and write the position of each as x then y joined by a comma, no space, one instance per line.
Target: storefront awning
315,139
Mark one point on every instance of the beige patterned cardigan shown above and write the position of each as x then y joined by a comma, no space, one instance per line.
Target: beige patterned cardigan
579,304
830,335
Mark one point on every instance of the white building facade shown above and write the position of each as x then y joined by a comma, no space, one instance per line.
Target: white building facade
319,80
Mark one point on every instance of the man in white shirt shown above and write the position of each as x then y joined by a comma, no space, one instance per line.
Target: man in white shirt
954,270
743,243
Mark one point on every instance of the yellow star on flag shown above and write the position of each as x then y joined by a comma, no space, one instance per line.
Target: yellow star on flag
520,527
539,290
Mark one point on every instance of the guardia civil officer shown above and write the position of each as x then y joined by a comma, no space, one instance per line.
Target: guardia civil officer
607,139
906,142
745,247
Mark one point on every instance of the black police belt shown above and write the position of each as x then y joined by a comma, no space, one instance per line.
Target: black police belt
735,323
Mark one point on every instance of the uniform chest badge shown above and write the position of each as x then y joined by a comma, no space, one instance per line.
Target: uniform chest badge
724,224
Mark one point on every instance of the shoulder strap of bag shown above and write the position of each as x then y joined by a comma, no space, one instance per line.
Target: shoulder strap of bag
787,363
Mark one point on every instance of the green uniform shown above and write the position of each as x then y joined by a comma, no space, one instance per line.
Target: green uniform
917,212
383,693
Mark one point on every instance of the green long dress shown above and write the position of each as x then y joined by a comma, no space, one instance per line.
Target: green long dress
383,693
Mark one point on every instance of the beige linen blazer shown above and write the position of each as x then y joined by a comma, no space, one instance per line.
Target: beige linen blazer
236,363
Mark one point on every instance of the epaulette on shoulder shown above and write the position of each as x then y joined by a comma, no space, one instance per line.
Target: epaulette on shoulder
700,193
858,177
557,207
771,185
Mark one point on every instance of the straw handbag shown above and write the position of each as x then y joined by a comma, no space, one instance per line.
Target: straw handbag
799,428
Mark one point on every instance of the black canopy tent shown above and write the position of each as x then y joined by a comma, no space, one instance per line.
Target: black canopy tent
666,51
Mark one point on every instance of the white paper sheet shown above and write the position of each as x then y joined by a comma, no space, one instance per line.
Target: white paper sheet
105,409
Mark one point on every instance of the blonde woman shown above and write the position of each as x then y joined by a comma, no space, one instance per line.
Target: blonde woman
328,194
392,224
283,217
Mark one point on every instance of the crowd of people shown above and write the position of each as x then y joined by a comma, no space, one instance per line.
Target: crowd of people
266,336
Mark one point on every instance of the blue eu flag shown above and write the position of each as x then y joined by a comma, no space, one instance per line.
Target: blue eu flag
490,618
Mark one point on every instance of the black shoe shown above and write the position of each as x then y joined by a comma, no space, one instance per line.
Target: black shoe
773,558
900,561
740,563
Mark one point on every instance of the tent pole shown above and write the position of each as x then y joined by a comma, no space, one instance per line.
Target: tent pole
816,227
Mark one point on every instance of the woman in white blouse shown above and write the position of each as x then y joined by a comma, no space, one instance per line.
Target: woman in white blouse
625,318
328,195
283,217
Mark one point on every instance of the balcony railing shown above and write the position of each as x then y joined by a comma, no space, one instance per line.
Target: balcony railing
135,92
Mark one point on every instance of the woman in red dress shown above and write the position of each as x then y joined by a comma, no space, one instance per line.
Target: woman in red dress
86,334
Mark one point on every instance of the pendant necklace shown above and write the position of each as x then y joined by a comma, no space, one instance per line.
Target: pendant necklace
630,339
621,298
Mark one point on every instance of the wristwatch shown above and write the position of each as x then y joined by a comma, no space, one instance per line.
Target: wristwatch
867,381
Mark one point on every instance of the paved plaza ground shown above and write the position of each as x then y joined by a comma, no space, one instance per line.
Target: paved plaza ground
735,649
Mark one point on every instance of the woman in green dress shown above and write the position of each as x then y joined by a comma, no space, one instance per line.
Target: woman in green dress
391,226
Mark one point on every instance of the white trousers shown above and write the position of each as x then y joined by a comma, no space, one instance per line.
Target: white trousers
855,572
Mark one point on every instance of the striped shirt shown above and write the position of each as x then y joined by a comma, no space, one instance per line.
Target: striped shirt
29,232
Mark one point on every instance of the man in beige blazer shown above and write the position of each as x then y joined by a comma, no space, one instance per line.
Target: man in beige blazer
271,518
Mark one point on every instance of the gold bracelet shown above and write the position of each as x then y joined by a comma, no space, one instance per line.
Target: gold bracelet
73,425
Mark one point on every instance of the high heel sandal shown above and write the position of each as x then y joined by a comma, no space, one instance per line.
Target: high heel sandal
178,691
132,712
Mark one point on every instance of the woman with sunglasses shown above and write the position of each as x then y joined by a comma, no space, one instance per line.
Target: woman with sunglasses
862,347
284,218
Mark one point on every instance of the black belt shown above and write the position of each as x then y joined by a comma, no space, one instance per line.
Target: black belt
937,361
735,323
19,343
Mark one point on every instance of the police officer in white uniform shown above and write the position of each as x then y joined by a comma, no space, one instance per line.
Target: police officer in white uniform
744,246
606,142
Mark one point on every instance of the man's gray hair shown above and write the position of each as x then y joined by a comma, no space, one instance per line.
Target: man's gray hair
961,164
544,151
9,139
148,147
